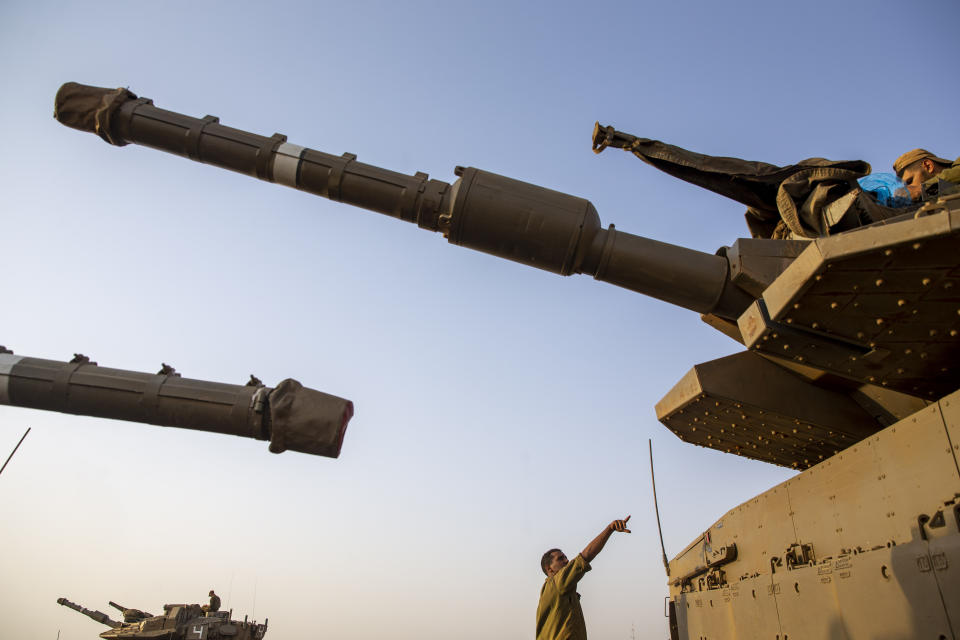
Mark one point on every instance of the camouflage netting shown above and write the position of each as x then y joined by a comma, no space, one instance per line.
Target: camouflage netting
306,420
90,108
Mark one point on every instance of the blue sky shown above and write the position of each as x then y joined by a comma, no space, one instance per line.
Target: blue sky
500,410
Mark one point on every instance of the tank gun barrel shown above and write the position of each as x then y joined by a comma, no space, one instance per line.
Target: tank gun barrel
480,210
130,615
99,616
289,415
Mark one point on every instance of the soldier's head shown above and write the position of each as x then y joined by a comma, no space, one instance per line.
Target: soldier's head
552,561
211,593
917,166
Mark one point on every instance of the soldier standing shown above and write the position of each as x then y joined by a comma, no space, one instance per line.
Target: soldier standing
559,616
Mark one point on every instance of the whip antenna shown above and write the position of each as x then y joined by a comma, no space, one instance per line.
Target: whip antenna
663,550
15,450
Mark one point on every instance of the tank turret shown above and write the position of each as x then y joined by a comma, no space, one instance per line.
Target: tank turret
849,313
289,415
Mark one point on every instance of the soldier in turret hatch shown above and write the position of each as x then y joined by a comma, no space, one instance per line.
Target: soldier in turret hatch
919,168
559,616
214,603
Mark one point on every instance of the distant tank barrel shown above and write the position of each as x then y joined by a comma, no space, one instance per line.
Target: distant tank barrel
99,616
481,210
130,615
289,415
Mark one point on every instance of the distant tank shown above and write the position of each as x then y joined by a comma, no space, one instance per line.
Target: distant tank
289,415
178,622
849,312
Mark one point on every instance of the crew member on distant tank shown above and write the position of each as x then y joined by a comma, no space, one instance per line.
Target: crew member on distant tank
920,168
214,603
559,616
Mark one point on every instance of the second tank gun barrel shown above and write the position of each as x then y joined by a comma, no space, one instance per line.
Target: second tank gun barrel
481,210
130,615
289,415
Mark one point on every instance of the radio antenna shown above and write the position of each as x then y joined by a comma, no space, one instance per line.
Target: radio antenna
14,450
663,550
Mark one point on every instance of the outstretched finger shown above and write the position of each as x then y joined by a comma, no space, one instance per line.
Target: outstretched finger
627,519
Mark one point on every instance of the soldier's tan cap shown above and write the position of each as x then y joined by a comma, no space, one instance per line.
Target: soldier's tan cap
910,157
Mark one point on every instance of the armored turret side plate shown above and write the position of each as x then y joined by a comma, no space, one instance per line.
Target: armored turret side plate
746,405
880,305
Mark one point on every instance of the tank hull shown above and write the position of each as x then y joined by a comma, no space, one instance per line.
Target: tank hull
863,545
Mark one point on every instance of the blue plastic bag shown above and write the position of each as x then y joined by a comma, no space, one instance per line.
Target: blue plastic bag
887,188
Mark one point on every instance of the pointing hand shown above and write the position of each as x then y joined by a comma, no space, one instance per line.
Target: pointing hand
620,525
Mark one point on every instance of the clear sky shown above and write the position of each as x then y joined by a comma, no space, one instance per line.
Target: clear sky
500,410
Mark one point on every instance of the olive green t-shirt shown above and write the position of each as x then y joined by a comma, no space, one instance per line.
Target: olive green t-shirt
559,616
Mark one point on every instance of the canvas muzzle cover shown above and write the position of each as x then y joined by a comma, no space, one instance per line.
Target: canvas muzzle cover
86,108
306,420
